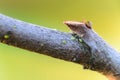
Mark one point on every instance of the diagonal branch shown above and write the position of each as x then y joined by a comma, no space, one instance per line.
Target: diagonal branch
90,51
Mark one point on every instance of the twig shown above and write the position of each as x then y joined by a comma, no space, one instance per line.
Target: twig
90,51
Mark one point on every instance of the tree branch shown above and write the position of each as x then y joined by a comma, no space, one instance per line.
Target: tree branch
89,50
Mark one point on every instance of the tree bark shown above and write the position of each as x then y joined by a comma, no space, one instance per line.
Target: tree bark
91,51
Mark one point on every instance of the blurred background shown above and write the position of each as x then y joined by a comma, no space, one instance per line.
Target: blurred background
19,64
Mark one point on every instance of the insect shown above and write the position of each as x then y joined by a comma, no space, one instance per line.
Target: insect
79,33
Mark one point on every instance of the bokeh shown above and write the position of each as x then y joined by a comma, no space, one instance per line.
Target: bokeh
19,64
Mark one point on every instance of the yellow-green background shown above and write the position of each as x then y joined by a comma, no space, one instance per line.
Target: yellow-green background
19,64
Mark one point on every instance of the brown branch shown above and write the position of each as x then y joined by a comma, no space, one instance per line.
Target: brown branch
90,51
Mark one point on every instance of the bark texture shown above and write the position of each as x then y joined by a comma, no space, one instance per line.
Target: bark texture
91,51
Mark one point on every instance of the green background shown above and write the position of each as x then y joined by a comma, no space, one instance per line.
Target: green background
19,64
